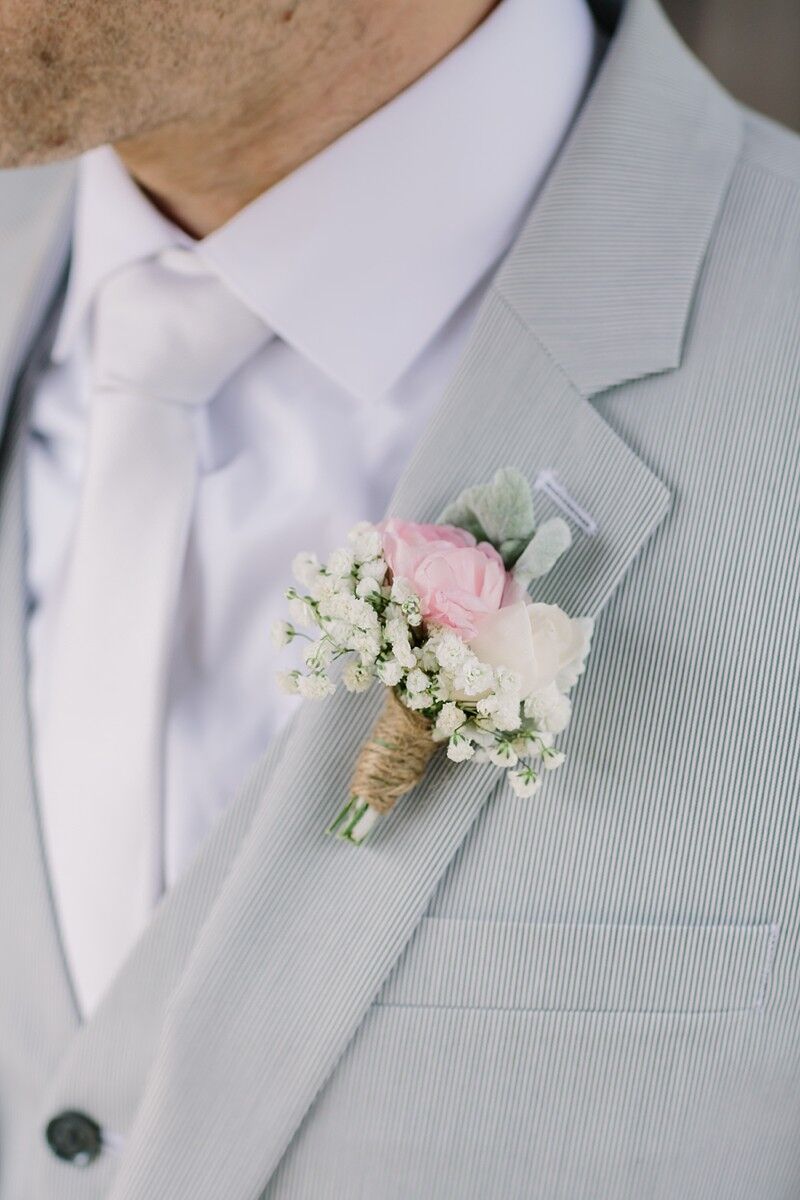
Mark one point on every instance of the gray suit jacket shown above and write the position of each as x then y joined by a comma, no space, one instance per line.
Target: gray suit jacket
591,995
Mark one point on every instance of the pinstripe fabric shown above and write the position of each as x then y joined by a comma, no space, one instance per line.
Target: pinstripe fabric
33,1035
592,995
590,968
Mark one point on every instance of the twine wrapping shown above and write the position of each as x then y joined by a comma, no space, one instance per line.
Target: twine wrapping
394,759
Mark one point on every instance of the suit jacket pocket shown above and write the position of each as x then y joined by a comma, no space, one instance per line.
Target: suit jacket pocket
471,964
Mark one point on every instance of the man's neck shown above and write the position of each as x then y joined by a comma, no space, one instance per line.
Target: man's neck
202,172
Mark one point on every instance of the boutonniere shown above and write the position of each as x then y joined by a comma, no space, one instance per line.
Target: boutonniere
440,615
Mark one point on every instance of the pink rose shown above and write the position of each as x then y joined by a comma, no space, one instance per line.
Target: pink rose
458,580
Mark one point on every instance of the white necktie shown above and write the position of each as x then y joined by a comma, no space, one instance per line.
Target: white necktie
167,336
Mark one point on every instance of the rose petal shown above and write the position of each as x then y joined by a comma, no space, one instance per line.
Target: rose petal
504,640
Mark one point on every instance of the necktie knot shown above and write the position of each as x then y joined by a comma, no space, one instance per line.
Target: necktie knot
169,329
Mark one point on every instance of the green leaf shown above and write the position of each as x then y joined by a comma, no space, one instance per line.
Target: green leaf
460,515
511,549
498,512
543,551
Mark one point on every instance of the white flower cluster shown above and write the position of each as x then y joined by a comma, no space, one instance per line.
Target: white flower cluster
358,610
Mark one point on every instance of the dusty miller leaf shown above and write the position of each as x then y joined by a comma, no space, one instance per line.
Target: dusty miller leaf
498,512
463,517
511,549
543,551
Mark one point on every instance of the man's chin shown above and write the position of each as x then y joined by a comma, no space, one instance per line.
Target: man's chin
32,145
31,135
34,154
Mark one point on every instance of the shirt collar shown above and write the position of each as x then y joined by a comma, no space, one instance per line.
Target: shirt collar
114,225
359,257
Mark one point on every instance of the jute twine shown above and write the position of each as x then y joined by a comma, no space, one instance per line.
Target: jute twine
394,759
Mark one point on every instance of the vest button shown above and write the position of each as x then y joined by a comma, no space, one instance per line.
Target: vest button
74,1137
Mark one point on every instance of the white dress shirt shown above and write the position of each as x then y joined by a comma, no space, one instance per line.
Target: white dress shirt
367,264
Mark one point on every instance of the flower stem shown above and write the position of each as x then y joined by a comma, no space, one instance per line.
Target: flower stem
354,821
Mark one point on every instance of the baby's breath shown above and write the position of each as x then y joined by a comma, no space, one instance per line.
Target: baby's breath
354,608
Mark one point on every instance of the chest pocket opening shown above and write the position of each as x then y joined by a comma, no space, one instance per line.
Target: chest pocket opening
507,965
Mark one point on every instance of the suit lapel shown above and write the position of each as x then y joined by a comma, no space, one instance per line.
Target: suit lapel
305,930
605,271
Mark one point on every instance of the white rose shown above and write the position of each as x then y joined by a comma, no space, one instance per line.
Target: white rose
538,641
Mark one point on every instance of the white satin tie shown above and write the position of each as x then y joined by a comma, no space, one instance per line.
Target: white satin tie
167,336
